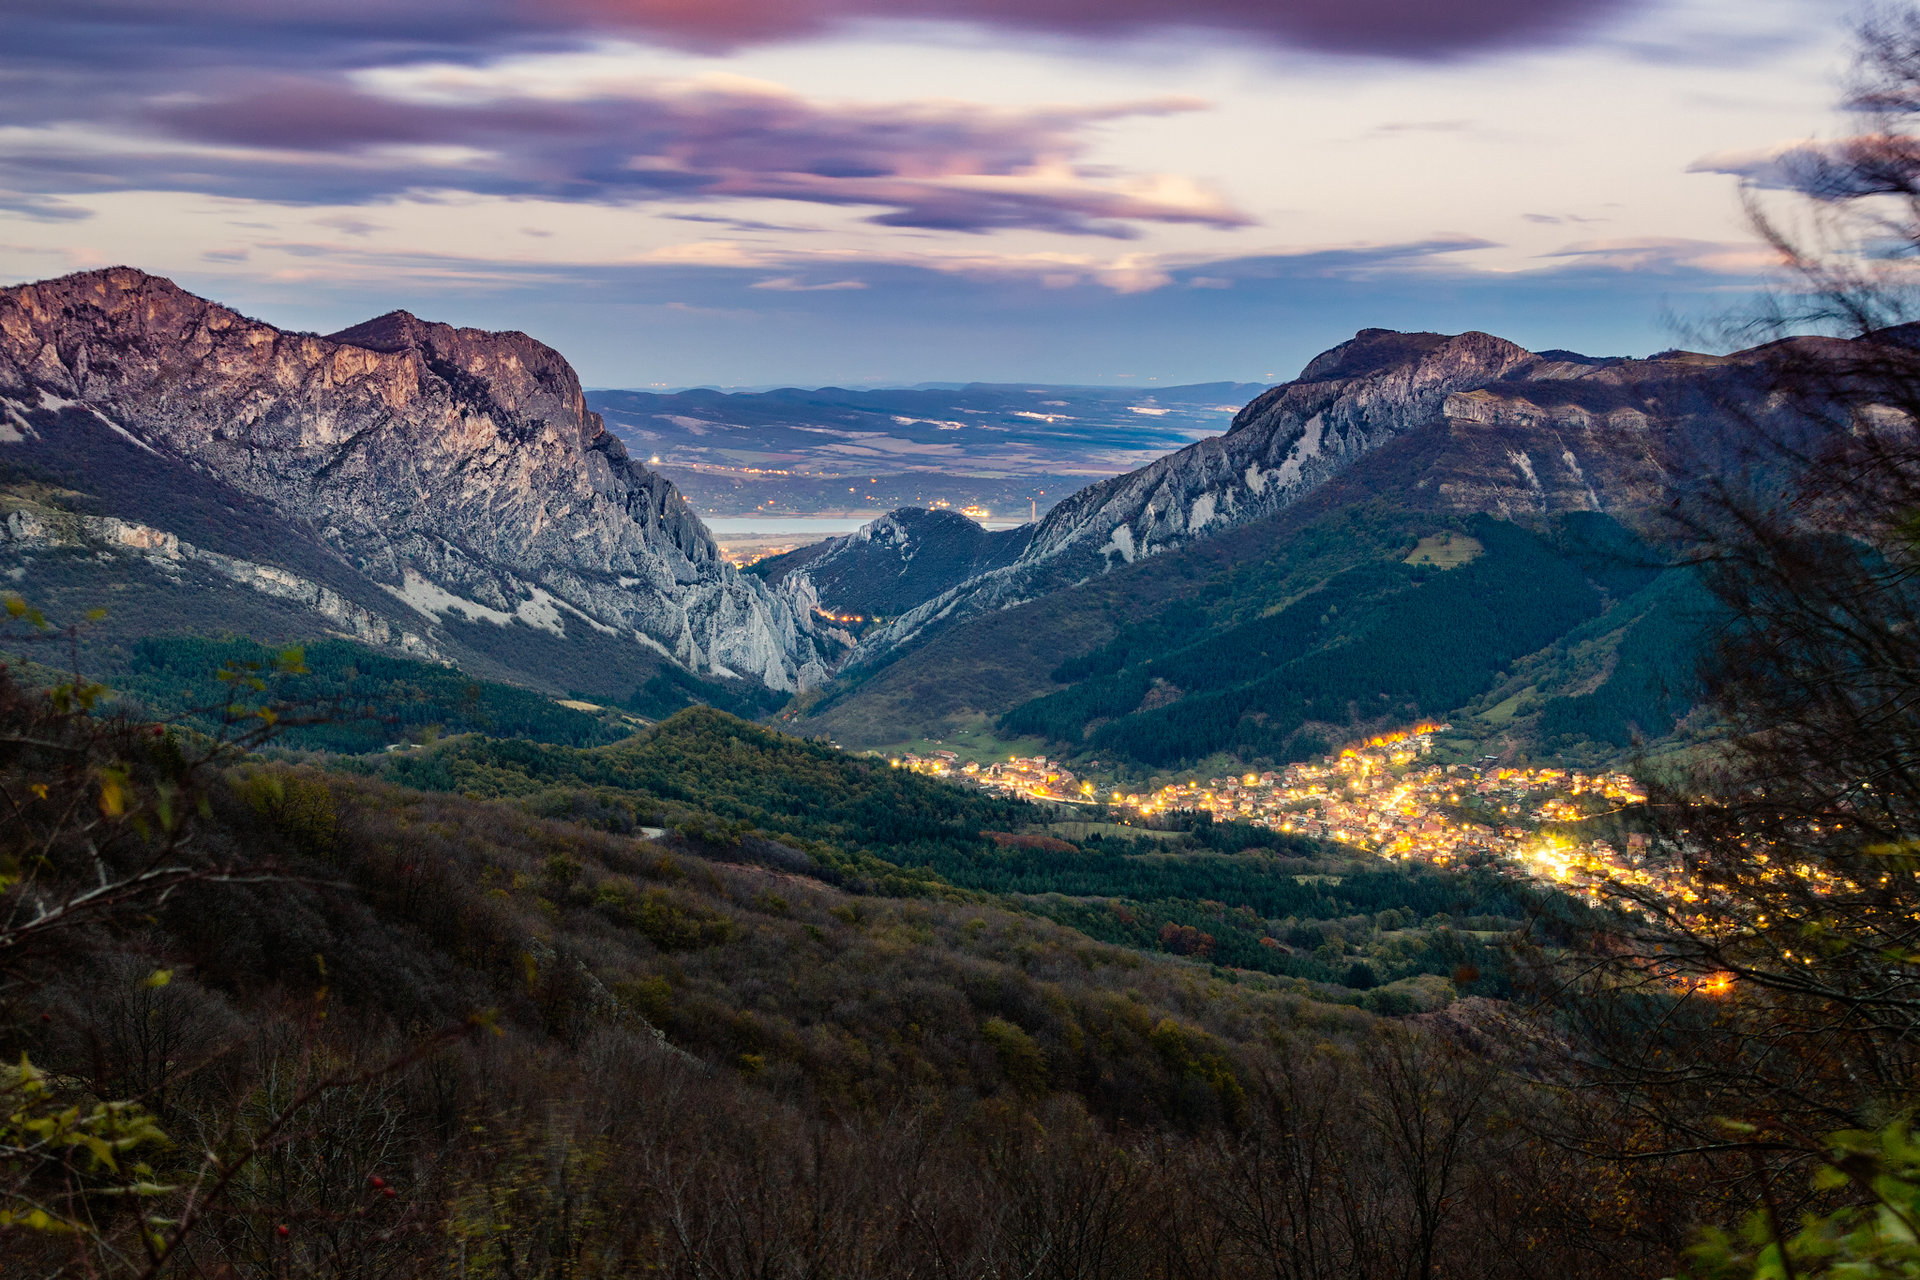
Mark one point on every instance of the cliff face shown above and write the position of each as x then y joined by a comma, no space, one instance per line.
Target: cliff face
1284,444
458,469
1513,433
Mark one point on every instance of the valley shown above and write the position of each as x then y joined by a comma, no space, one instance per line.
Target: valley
1248,599
1338,730
959,641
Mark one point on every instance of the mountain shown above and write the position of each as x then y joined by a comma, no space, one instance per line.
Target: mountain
1382,639
1419,525
1531,434
406,483
893,564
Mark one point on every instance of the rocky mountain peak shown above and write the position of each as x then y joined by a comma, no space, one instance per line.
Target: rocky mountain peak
394,331
459,469
527,379
1376,388
1368,351
892,564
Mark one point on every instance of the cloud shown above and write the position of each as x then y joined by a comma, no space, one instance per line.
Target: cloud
510,129
343,32
1425,126
42,208
347,224
796,268
1415,29
1827,169
1775,167
1341,262
742,224
793,284
1670,255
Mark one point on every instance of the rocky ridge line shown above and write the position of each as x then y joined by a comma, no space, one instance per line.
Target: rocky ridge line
454,467
1528,434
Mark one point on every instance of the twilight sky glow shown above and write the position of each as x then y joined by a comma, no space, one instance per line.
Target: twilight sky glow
841,191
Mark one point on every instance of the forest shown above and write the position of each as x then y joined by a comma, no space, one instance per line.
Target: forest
1383,641
748,1046
354,699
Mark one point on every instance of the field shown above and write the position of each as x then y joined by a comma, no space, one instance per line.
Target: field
1444,550
971,738
1124,831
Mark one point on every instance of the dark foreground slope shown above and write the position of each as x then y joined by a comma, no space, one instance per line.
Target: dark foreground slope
703,1057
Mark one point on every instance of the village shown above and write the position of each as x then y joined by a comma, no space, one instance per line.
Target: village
1381,796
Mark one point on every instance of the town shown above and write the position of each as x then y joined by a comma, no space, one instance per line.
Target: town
1377,797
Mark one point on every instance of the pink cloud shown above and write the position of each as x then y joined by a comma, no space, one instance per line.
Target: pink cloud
935,165
1400,28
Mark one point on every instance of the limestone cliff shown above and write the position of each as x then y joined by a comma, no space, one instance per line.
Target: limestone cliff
458,469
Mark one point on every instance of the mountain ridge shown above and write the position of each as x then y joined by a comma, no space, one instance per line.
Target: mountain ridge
458,470
1530,434
1417,436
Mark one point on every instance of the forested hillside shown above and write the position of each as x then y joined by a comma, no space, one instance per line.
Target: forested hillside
1268,906
1534,615
344,697
417,1029
1377,640
1387,640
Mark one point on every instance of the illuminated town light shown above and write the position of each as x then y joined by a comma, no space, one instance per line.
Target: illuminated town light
1375,798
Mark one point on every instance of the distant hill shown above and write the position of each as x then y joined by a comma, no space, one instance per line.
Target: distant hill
903,558
1002,447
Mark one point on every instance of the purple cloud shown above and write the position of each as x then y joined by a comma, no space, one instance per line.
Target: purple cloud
947,166
1668,255
282,102
1414,29
41,208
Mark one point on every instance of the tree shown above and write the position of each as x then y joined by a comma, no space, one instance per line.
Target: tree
100,817
1767,971
1876,1238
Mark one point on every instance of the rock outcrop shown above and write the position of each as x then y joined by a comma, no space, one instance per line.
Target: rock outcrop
458,469
110,535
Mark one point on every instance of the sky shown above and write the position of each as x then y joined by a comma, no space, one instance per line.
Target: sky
813,192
